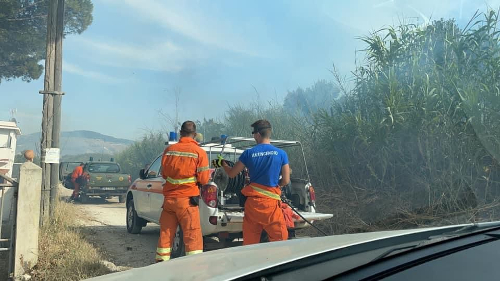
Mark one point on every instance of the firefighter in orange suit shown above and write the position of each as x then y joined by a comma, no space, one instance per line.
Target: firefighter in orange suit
184,166
265,163
77,172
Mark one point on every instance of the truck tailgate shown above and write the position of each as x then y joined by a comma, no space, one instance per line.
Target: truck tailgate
314,216
108,180
237,217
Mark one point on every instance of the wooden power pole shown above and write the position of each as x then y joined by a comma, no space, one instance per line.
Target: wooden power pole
51,121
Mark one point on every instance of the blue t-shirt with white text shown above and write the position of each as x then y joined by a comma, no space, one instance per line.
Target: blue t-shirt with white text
264,162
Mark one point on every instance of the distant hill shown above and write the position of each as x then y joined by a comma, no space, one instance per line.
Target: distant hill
77,143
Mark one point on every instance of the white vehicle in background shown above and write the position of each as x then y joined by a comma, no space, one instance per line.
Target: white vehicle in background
8,141
221,211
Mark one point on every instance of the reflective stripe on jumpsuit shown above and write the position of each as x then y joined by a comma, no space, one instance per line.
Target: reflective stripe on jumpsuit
183,165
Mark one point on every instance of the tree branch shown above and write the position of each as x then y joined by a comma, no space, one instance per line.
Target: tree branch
27,18
30,5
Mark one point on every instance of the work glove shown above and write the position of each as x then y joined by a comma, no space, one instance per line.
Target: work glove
219,162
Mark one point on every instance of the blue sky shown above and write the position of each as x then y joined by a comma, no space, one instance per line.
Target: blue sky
123,70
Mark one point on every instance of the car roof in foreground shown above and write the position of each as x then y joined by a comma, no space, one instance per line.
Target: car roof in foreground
231,263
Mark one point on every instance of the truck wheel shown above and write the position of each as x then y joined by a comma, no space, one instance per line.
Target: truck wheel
84,198
122,198
134,222
178,247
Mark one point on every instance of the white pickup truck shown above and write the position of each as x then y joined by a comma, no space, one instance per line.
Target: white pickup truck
221,213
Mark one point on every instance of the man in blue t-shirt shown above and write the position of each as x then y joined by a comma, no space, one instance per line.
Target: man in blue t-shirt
265,163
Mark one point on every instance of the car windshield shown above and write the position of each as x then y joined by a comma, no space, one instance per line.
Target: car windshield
104,168
229,154
394,105
71,166
293,149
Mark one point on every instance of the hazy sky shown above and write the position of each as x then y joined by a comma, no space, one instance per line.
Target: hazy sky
121,71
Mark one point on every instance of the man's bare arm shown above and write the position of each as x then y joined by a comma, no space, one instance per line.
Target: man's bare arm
285,175
235,170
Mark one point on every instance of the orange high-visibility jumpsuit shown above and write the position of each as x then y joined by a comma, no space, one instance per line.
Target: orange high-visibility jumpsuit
77,172
184,164
289,215
263,212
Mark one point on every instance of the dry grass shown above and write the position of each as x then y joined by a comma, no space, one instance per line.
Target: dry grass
64,253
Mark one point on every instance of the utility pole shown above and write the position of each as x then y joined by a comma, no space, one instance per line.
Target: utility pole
56,129
51,121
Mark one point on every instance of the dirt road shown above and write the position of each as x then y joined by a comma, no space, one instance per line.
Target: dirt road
104,222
